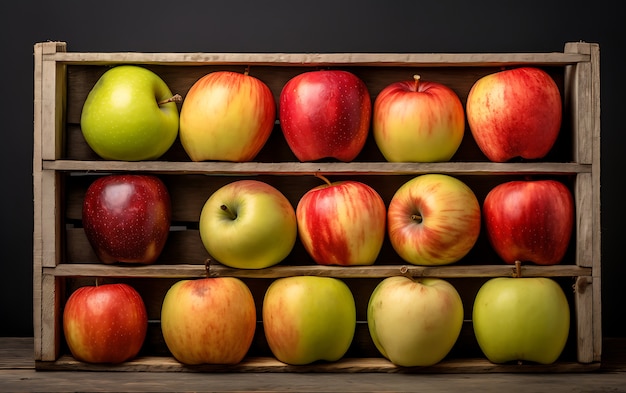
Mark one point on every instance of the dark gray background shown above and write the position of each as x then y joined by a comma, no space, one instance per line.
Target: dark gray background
294,26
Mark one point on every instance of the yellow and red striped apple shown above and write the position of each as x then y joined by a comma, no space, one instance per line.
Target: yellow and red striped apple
105,323
529,220
414,322
248,224
515,113
433,219
342,223
308,319
226,116
418,121
208,320
325,114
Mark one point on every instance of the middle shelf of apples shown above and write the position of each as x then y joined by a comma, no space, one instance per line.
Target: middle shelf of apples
399,206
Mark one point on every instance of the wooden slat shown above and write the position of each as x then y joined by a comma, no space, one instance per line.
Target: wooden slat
310,168
215,270
584,228
50,319
360,365
301,59
583,295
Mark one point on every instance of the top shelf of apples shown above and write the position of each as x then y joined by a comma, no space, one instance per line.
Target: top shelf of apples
434,219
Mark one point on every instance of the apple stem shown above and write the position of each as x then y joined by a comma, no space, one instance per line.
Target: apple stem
416,217
323,178
230,212
517,271
417,81
177,98
247,70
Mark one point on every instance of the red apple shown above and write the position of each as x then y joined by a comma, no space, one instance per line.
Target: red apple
127,217
342,223
433,219
325,114
105,323
226,116
529,220
208,320
418,121
515,113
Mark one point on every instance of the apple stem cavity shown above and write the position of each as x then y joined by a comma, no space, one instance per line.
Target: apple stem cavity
232,215
177,98
323,178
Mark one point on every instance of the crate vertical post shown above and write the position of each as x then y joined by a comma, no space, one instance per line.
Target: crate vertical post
49,109
583,94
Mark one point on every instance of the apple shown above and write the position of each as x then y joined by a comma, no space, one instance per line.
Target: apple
126,217
105,323
418,121
414,322
342,223
515,113
130,114
248,224
529,220
308,319
433,219
208,320
325,114
226,116
521,319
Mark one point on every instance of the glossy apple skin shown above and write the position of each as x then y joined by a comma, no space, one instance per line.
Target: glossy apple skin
308,319
126,218
521,319
208,320
433,219
418,121
105,323
342,223
121,118
515,113
325,114
226,116
257,230
414,322
529,220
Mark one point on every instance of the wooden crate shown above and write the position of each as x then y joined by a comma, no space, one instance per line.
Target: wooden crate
64,166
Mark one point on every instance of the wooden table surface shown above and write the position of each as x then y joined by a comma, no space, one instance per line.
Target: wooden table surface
18,374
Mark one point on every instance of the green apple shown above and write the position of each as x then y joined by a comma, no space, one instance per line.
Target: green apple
308,319
208,320
248,224
414,322
130,114
518,319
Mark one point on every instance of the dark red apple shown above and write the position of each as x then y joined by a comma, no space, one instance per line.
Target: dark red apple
529,220
105,323
127,217
325,114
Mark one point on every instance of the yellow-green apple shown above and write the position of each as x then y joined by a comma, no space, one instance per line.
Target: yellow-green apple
248,224
433,219
126,217
308,319
208,320
414,322
515,113
342,223
521,319
325,114
226,116
418,121
529,220
105,323
130,114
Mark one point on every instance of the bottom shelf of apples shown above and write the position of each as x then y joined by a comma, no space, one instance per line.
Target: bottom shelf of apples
249,224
